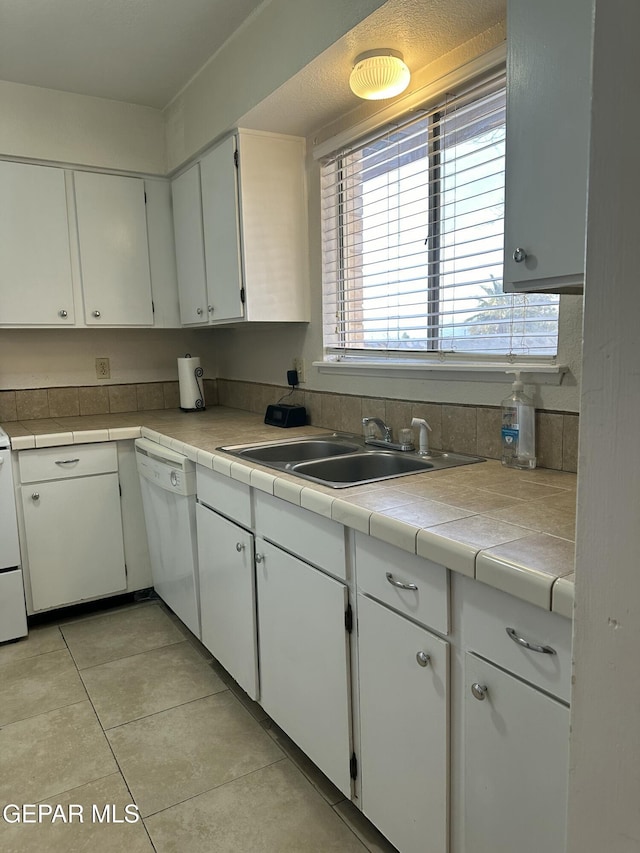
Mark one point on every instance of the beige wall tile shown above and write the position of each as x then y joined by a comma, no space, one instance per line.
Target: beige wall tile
94,400
8,410
63,402
397,415
549,440
459,429
122,398
150,396
171,393
373,407
351,415
432,414
330,411
489,439
32,404
570,443
312,402
223,391
210,392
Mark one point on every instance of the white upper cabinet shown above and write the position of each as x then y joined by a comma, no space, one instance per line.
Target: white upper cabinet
548,105
35,266
240,222
114,250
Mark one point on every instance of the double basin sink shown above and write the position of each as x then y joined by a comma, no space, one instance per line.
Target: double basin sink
340,461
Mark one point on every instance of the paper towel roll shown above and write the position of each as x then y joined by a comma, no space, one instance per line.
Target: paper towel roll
191,384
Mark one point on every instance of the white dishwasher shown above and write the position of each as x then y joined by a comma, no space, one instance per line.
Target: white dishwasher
13,614
168,485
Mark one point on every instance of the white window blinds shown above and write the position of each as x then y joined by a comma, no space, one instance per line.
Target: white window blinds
413,224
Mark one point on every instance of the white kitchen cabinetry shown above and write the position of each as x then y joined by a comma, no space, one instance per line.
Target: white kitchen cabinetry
73,542
404,713
240,222
304,658
35,278
548,113
114,250
516,747
227,596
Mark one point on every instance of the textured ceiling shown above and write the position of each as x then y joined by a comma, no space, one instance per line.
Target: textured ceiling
423,30
139,51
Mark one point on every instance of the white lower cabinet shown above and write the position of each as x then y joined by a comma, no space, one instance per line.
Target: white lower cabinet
304,658
73,527
516,749
404,717
227,596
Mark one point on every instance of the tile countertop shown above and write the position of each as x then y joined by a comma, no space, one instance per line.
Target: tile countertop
513,530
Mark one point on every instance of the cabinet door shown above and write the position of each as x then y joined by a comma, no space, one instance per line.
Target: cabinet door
35,265
304,669
227,596
187,227
219,178
403,729
548,104
516,764
114,250
73,539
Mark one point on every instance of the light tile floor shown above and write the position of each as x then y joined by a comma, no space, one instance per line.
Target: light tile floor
125,706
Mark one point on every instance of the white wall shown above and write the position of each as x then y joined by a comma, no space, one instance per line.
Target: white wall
38,358
273,45
44,124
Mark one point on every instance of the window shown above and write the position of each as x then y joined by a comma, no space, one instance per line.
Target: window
413,224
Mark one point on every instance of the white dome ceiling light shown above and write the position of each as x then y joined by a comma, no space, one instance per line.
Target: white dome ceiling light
379,74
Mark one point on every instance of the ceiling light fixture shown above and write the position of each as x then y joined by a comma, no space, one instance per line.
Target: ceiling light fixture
379,74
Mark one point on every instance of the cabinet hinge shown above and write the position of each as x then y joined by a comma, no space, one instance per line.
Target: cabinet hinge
145,196
236,158
120,489
242,295
348,618
153,307
353,766
126,571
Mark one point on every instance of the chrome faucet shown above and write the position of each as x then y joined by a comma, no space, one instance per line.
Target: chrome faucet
386,434
385,431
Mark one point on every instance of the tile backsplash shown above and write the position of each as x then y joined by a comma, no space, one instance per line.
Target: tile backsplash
461,429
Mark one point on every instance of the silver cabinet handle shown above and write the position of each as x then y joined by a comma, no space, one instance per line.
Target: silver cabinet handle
479,691
35,496
66,461
240,547
62,313
199,311
96,313
533,647
519,255
259,558
210,309
423,658
400,584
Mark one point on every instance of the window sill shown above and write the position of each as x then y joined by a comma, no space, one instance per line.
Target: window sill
540,373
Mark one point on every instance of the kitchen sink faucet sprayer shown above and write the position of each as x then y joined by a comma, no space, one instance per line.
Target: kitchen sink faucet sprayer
423,441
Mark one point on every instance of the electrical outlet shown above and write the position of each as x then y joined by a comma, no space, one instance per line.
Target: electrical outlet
103,368
298,364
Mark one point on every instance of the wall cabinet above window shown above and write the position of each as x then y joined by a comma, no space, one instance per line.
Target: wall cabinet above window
548,105
240,223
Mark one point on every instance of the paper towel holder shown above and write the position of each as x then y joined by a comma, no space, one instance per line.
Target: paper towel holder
199,405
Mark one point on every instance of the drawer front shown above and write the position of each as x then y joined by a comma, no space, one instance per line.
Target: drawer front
487,614
384,573
61,463
226,496
316,539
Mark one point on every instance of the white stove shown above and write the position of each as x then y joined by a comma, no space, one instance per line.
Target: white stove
13,614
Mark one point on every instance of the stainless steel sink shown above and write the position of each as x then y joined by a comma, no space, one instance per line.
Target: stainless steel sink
340,460
298,451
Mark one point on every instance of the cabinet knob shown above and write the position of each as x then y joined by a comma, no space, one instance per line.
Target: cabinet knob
423,658
519,255
62,313
259,558
199,312
240,547
210,309
35,496
479,691
96,313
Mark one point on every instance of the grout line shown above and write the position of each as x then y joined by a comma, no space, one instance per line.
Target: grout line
127,657
165,710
